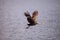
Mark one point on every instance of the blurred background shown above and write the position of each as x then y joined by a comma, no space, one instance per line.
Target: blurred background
13,23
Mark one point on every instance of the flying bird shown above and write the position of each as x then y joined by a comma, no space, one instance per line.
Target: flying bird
32,20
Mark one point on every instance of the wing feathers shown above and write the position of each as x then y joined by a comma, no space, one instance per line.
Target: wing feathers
32,20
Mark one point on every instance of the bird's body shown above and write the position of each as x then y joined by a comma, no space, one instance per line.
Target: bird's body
32,20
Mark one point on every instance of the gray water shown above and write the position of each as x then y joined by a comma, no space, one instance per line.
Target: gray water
13,23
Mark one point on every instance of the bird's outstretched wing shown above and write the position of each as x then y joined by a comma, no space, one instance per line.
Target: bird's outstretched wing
34,16
27,14
29,18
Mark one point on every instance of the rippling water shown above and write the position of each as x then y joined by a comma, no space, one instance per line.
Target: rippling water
13,23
